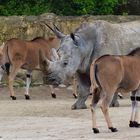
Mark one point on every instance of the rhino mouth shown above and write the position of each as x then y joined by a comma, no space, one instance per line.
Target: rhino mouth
52,79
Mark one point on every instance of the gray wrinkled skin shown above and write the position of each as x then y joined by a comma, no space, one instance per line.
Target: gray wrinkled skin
91,41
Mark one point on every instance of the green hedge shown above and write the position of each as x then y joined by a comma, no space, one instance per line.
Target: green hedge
62,7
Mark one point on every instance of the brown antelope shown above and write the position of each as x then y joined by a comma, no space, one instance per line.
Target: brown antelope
25,54
110,74
52,42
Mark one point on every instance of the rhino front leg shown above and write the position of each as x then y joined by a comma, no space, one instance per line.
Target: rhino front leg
83,90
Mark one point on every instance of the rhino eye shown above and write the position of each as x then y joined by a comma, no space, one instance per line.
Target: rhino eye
58,49
65,63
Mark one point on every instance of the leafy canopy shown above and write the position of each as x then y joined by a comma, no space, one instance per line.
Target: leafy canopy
62,7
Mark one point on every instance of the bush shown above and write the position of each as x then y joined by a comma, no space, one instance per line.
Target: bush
66,7
23,7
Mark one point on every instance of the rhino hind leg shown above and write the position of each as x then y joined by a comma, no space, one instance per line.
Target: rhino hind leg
114,102
82,90
80,103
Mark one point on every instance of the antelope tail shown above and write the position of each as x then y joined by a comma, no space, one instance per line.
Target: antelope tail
6,59
93,76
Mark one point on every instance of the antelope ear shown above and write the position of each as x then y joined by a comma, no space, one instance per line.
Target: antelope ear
74,39
2,46
54,56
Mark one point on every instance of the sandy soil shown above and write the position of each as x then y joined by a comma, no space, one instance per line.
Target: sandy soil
44,118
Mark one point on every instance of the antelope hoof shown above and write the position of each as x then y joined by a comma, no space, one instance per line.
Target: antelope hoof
13,97
131,124
74,95
134,124
95,130
27,97
113,129
53,95
137,125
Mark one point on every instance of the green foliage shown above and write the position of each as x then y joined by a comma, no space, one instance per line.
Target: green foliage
23,7
71,7
122,7
83,7
62,7
105,7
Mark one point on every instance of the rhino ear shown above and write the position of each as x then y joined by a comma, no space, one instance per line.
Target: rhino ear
74,39
72,36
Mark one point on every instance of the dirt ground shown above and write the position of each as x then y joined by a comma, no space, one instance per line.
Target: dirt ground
44,118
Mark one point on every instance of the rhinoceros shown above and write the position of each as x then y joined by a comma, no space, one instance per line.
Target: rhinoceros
89,41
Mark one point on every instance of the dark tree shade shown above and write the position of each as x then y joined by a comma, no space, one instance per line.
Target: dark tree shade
134,7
